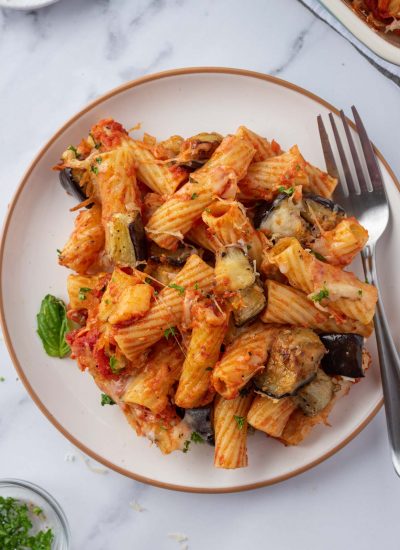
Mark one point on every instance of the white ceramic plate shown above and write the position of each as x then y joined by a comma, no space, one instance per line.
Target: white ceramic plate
381,44
26,4
178,102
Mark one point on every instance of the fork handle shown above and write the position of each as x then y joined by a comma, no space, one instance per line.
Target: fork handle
389,361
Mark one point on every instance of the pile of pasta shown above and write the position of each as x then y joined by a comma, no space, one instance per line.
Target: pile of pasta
206,271
383,15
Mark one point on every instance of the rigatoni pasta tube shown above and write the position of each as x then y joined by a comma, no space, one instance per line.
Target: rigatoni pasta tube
243,358
319,182
209,328
78,286
167,310
270,415
152,385
288,306
200,235
157,176
340,245
85,243
230,426
217,178
264,149
325,284
264,178
229,224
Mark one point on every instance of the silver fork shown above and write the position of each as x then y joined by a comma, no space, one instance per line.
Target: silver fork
369,204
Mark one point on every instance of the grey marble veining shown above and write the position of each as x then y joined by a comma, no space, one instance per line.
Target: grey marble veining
53,61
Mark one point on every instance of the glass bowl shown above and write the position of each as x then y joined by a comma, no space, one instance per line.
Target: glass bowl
53,516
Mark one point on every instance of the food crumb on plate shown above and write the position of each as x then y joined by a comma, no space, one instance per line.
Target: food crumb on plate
136,506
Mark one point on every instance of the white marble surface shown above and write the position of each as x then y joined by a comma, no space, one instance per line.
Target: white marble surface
52,62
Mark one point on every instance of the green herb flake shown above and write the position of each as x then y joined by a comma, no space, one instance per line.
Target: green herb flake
94,169
186,446
360,292
170,331
147,281
2,379
179,288
37,511
15,527
209,368
208,211
194,196
82,292
73,149
196,286
53,325
287,190
323,293
99,160
106,400
319,256
58,251
196,438
114,364
240,420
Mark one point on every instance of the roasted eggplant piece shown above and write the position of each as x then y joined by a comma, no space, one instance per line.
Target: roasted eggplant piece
304,219
71,186
175,258
327,213
282,218
293,362
315,396
233,270
138,238
200,421
125,239
248,303
344,357
196,150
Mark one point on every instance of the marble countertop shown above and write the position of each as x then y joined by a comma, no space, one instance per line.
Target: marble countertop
55,60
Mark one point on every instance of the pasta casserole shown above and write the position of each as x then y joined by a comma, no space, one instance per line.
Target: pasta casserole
208,293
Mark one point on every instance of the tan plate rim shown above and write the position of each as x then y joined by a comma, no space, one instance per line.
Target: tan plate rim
3,322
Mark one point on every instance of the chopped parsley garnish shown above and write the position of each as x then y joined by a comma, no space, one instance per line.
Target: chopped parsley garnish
360,292
196,438
170,331
37,511
106,400
147,281
58,251
287,190
97,145
53,325
2,379
15,527
318,256
179,288
209,368
114,364
186,446
194,196
366,280
94,169
99,160
208,211
240,420
73,149
82,293
196,286
323,293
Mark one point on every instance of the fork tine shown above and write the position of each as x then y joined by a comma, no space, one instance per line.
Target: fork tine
327,149
359,171
330,162
346,169
370,158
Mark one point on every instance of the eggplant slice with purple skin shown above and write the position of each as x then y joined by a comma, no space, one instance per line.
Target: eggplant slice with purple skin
285,218
71,186
200,421
138,238
344,357
315,396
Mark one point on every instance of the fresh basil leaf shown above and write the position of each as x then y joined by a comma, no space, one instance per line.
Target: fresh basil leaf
52,326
